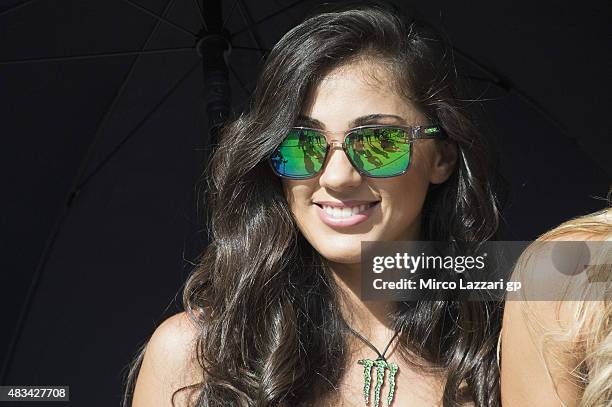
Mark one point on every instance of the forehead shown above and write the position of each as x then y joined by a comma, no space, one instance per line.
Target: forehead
358,89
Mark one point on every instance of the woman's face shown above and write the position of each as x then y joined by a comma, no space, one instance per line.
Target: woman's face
344,96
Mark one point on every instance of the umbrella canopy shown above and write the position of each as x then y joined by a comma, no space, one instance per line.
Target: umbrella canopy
107,114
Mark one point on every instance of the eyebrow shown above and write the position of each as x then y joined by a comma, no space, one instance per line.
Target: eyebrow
360,121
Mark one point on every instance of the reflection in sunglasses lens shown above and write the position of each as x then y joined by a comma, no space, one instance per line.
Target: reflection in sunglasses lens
375,152
379,152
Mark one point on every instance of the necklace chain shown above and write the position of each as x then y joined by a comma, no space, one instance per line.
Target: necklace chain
367,342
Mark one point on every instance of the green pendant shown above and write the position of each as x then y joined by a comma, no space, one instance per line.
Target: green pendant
380,365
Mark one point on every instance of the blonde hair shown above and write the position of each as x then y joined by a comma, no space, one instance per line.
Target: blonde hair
585,330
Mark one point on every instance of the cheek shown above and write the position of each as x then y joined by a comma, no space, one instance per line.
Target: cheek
294,191
406,196
298,194
403,197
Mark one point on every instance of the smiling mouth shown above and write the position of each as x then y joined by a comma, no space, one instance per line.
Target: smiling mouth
343,212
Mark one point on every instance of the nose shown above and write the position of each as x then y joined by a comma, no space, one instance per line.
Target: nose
338,173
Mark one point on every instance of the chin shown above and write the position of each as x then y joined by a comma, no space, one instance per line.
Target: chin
346,250
343,258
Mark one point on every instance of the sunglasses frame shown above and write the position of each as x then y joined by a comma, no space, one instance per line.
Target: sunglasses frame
413,133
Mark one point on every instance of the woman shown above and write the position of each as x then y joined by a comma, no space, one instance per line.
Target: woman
565,342
272,313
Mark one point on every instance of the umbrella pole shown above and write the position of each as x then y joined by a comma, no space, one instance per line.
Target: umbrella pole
213,46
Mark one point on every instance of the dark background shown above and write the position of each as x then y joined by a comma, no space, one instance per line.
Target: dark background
85,278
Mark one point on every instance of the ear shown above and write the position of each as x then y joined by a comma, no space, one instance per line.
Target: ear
444,162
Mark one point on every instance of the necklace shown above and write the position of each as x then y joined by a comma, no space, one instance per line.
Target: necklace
381,365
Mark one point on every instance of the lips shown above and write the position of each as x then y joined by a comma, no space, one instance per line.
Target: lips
345,213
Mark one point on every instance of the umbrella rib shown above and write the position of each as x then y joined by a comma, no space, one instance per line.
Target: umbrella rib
132,132
157,16
119,93
50,242
246,16
507,85
201,15
16,7
269,16
98,55
231,13
109,111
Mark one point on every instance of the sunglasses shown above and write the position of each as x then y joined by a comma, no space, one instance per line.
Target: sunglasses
377,151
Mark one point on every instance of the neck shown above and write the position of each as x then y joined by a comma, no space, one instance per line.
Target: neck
370,318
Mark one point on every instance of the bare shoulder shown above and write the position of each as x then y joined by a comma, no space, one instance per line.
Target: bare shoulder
536,357
540,339
169,364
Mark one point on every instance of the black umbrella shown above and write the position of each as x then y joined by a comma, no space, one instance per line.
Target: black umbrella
108,111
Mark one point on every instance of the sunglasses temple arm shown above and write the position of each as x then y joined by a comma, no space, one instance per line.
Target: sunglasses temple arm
421,133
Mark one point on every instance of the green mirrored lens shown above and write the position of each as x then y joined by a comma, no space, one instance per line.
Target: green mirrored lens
301,154
379,152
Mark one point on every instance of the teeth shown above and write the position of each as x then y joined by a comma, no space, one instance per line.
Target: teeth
345,212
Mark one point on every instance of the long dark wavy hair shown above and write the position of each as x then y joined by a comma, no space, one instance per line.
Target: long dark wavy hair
264,301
